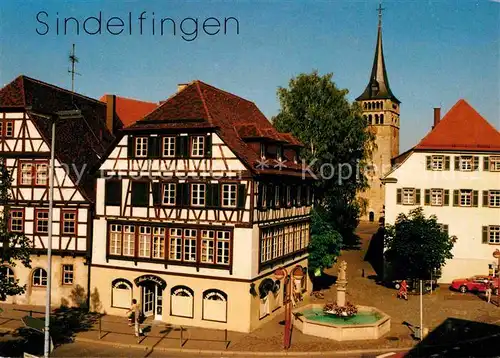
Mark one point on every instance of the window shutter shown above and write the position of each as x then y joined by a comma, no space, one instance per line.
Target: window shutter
446,162
216,193
113,192
156,193
260,188
475,198
130,147
455,197
485,198
282,196
140,194
485,234
208,146
428,161
457,163
209,195
153,147
417,196
486,164
270,195
181,146
186,197
446,197
242,195
475,163
303,192
398,196
427,197
293,195
179,194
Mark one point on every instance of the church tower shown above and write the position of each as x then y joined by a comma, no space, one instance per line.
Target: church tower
381,111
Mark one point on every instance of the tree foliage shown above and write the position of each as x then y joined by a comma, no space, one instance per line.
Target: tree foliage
337,143
325,244
416,246
15,246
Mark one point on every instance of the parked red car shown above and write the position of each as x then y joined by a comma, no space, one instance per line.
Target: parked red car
477,283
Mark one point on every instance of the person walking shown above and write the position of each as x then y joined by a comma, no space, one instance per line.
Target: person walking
489,290
403,290
134,314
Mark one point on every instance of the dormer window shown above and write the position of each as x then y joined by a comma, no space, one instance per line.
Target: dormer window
198,146
262,151
141,147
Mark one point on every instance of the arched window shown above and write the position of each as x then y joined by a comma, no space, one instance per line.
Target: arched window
381,119
214,306
181,301
39,277
376,119
364,105
7,273
370,119
121,293
369,105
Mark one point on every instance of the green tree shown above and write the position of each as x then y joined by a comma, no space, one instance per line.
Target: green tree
325,244
337,143
15,246
416,246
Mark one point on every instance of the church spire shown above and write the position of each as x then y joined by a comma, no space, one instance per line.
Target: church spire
378,86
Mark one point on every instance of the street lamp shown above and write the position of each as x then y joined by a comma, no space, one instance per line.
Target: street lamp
60,115
496,254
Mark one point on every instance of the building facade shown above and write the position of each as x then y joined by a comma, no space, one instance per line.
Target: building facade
454,173
381,111
197,205
26,107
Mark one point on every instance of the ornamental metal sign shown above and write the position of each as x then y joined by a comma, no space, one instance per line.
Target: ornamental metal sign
144,279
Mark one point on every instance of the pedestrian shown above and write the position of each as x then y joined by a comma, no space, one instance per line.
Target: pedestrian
489,289
134,317
403,290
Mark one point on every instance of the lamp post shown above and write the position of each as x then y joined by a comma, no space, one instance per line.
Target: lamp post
60,115
496,254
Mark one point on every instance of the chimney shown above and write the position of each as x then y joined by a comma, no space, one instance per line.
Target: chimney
181,86
110,111
437,116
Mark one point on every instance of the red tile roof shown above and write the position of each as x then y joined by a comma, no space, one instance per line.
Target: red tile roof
462,128
201,105
130,110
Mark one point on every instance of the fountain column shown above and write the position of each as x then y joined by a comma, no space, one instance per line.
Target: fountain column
341,284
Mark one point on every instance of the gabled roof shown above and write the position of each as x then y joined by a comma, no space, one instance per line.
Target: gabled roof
378,85
130,110
462,128
79,142
199,105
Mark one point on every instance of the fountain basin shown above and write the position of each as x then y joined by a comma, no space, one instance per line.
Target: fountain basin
368,323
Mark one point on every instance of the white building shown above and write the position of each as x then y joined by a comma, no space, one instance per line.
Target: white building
454,173
194,214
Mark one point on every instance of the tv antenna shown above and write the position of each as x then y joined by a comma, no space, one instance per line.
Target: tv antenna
74,60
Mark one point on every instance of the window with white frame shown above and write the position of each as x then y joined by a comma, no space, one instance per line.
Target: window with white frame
223,242
128,240
265,246
26,173
495,164
145,241
68,224
169,147
408,196
197,146
41,221
115,240
169,194
175,246
68,273
437,162
279,234
437,197
229,195
275,246
494,234
465,163
17,220
39,277
198,194
494,198
141,146
42,171
207,246
189,245
6,128
158,242
8,273
465,197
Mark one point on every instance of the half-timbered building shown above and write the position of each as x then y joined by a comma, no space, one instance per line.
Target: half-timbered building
26,106
197,205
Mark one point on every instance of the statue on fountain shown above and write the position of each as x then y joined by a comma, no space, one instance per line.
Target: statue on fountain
341,308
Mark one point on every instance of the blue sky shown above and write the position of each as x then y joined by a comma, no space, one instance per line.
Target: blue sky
436,51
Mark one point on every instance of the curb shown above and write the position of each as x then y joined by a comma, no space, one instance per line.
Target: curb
242,353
